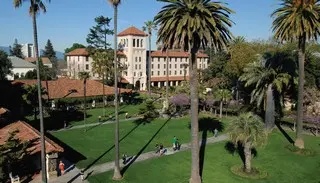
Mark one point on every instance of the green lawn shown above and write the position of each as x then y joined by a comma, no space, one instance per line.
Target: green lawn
282,166
99,140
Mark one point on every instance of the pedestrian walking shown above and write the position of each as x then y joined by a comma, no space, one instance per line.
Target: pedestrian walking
82,175
61,167
174,142
216,132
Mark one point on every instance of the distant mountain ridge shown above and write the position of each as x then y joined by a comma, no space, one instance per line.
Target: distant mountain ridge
59,55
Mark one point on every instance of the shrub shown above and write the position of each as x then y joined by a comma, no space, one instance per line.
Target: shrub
148,110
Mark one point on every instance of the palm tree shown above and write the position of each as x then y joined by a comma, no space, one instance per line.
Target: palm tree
190,25
248,130
223,95
185,66
298,20
268,82
167,80
117,174
149,26
102,65
35,7
84,76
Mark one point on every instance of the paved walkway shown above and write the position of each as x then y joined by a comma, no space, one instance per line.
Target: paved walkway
95,124
74,177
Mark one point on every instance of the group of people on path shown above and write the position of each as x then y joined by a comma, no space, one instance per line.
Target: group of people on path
175,145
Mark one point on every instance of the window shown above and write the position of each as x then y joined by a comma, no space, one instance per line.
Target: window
158,66
169,72
164,66
158,73
140,73
152,59
200,66
139,59
136,66
151,66
175,66
180,66
127,43
87,66
138,42
180,72
126,73
175,72
139,66
134,74
169,66
169,59
87,58
136,59
151,73
175,59
141,42
134,42
78,58
164,72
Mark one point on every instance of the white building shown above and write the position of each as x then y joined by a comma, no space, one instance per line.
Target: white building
19,67
133,42
27,50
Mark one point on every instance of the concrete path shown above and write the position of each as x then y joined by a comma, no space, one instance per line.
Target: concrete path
74,176
95,124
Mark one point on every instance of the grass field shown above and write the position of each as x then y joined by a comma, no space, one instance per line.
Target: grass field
96,145
281,165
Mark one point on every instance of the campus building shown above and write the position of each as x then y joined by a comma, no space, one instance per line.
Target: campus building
133,44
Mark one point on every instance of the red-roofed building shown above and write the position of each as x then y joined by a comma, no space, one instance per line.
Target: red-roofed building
26,133
45,60
133,44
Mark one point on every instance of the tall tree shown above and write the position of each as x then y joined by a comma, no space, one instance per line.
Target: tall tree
223,95
149,26
190,25
84,76
247,129
97,36
268,83
298,20
35,7
102,65
5,65
16,49
51,54
117,174
30,96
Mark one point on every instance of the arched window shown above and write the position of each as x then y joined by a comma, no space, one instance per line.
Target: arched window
141,42
134,43
127,43
138,42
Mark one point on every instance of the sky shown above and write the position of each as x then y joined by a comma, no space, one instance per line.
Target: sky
68,21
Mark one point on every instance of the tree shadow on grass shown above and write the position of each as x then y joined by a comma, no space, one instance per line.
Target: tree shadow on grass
232,149
143,148
108,150
207,125
286,135
108,119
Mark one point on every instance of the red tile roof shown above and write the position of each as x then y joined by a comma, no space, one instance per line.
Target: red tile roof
45,60
124,81
28,133
171,78
132,31
176,54
84,52
3,110
61,88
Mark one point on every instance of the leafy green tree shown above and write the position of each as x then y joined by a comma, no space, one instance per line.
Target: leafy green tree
190,25
97,36
84,76
35,7
117,174
148,110
5,65
268,82
30,96
312,71
298,20
73,47
51,54
149,26
223,95
45,73
248,130
16,49
216,67
12,153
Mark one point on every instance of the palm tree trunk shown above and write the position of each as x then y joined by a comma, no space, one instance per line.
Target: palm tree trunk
116,174
35,113
270,111
221,105
149,66
247,154
104,96
195,174
85,103
167,80
302,48
42,140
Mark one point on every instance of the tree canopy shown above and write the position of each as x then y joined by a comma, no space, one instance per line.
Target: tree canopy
5,65
97,36
16,49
